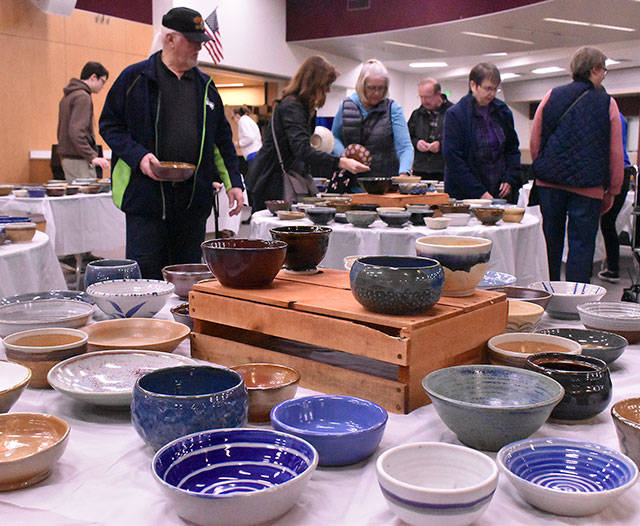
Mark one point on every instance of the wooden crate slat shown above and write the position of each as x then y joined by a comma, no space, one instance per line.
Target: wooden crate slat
338,279
397,199
480,298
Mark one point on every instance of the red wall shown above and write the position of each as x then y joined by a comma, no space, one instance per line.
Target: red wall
136,10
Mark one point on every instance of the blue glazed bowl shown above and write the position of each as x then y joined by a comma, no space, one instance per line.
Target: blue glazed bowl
173,402
399,285
567,477
488,406
343,429
107,269
36,192
234,477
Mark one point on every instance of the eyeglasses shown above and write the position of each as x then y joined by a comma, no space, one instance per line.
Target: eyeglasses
604,68
379,89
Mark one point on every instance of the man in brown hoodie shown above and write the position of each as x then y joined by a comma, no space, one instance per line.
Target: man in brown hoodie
76,139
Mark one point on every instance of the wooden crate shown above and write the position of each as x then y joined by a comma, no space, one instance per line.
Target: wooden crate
315,325
431,198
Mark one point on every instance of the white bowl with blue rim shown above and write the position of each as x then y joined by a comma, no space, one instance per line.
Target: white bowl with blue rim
131,298
437,484
567,295
496,279
234,477
567,477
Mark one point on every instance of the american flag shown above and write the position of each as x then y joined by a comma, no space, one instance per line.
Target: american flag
213,47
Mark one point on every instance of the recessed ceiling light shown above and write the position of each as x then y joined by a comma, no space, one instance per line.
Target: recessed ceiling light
428,65
231,85
615,28
506,76
610,61
415,46
549,69
496,37
588,24
501,53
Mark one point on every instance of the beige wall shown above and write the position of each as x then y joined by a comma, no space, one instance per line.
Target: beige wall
39,53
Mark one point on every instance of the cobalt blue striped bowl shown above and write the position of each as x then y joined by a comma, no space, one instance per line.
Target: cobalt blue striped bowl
567,295
567,477
234,477
436,483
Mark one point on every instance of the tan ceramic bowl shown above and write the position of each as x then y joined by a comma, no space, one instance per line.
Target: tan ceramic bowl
5,189
523,316
41,349
268,385
513,214
30,445
383,209
626,417
136,333
498,355
289,214
20,232
13,379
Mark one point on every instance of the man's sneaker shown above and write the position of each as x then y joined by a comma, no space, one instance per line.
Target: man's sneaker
609,275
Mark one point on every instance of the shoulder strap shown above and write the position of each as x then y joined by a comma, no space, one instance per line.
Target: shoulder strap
275,142
578,99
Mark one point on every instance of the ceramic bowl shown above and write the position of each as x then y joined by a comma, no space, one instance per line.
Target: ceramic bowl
107,269
131,298
523,316
539,297
174,402
348,261
76,295
20,232
41,349
361,218
5,189
36,314
413,188
341,205
418,217
605,346
437,223
136,333
488,215
36,191
618,317
180,314
513,349
341,218
369,207
395,219
464,259
268,384
566,477
107,378
55,190
567,295
72,189
13,379
185,276
306,246
321,215
400,285
173,171
91,188
312,200
343,429
496,279
384,209
274,206
626,418
20,192
244,263
287,215
31,444
586,382
401,179
457,219
454,208
488,406
513,214
234,477
375,185
433,483
475,203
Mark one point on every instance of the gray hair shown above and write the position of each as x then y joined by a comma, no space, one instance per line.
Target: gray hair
160,38
584,60
429,80
372,67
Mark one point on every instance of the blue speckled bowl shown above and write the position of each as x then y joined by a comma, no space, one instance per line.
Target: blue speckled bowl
343,429
173,402
400,285
488,406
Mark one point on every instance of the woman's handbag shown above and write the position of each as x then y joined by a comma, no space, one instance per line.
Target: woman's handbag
341,180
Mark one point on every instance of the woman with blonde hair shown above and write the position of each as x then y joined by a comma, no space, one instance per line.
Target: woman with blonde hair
287,139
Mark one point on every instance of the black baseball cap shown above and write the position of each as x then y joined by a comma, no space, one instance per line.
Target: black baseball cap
188,22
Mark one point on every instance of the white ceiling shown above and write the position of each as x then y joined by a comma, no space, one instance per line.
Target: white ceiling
551,43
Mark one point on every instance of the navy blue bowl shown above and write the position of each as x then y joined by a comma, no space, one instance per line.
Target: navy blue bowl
36,192
343,429
173,402
399,285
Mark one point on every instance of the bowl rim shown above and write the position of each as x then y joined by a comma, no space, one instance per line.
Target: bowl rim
22,382
89,310
266,244
181,335
269,387
304,230
313,462
297,431
480,242
535,336
602,366
623,420
500,408
297,214
432,263
41,417
586,308
46,349
545,295
170,271
621,339
163,288
461,450
536,310
600,292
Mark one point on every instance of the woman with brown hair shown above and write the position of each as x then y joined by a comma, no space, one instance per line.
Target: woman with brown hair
292,124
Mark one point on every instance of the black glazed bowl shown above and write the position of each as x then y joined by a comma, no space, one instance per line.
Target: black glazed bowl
605,346
417,216
395,219
321,215
586,382
306,245
369,207
375,185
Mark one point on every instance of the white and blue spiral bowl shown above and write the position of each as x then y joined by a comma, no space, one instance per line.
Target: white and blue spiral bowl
437,484
567,477
234,477
567,295
131,298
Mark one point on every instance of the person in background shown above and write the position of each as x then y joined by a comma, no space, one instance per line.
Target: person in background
370,118
249,138
425,127
480,143
576,147
608,220
76,139
166,108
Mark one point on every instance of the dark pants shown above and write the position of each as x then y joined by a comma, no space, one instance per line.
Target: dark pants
155,243
608,225
430,175
583,213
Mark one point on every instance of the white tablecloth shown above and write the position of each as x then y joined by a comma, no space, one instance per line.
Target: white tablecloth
104,477
29,267
518,248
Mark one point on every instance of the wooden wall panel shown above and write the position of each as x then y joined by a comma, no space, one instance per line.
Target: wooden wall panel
22,18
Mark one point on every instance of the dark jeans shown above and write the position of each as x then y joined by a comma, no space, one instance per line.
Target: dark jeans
583,213
608,225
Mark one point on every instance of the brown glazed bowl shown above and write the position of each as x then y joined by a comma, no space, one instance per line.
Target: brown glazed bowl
55,190
244,263
173,171
488,215
306,246
454,208
539,297
268,385
626,417
274,206
185,276
72,189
